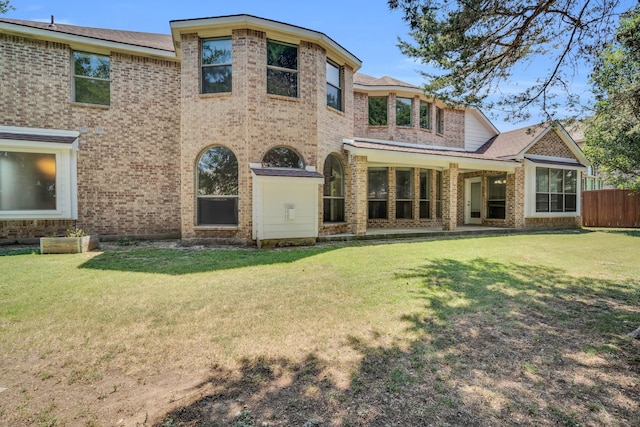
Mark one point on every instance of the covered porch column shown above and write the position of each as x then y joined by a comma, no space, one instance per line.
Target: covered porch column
450,197
359,190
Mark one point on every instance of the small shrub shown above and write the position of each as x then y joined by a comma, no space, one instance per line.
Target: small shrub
76,232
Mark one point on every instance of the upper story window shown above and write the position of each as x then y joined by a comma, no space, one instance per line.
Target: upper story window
404,112
91,78
282,69
425,115
378,110
556,190
216,65
334,86
439,120
282,157
217,195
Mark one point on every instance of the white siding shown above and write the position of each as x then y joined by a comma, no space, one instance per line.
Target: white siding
477,130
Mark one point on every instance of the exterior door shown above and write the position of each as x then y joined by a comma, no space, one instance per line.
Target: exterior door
473,200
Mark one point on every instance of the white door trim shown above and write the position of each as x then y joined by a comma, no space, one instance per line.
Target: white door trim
468,219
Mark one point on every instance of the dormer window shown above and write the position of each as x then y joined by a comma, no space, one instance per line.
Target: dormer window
216,65
334,86
282,69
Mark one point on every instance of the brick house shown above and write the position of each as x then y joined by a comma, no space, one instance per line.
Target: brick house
240,128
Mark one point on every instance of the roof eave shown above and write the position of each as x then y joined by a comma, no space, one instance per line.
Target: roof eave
84,42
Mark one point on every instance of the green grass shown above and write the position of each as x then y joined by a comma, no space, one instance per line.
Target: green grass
74,320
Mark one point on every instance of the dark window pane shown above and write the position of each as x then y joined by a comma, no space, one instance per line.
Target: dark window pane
378,111
570,203
497,187
282,55
438,209
377,209
495,210
404,209
556,202
218,211
378,188
333,75
403,112
542,202
216,79
92,91
570,181
334,97
404,184
27,181
282,83
282,157
216,52
439,120
425,209
425,180
425,115
333,210
333,177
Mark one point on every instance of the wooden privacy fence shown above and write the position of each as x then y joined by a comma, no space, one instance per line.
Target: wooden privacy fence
611,208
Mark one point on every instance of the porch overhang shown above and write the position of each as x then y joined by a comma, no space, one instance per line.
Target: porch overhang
412,155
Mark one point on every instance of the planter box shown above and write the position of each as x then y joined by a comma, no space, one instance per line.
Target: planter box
68,245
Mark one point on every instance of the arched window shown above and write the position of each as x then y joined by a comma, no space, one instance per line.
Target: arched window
333,210
282,157
217,192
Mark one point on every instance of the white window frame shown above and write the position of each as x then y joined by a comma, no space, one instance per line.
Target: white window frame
66,170
530,187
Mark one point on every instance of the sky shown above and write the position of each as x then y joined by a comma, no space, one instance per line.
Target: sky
366,28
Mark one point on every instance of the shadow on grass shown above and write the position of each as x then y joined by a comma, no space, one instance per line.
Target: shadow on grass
499,344
176,261
20,251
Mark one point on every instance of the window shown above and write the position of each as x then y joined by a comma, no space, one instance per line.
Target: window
217,192
334,86
556,190
404,193
496,196
438,194
439,120
282,69
333,192
216,65
378,193
425,193
404,112
378,111
425,115
91,78
27,181
282,157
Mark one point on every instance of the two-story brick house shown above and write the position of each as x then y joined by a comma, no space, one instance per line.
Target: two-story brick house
247,129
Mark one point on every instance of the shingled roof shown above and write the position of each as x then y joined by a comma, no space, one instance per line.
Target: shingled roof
133,38
365,80
511,143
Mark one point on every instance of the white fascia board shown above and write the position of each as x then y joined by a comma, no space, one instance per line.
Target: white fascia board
39,131
531,164
387,89
87,43
204,26
37,146
431,160
284,179
404,144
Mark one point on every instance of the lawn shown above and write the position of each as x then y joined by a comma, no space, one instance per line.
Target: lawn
511,330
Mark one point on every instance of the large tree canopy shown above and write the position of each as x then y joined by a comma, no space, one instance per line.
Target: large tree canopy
477,45
613,133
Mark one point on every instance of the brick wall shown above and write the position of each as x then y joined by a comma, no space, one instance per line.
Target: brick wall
453,135
128,175
551,145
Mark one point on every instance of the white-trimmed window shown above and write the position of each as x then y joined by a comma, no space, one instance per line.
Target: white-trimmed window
216,65
91,78
282,69
217,193
334,86
556,190
38,170
404,193
425,193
